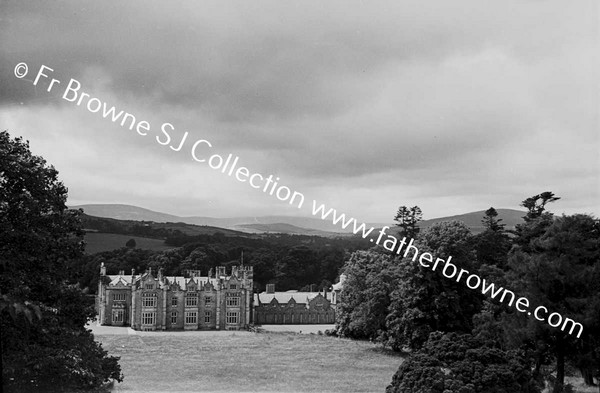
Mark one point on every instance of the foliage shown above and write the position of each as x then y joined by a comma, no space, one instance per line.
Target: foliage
463,364
424,301
44,342
370,278
130,243
290,262
536,204
553,262
490,222
397,302
408,219
560,269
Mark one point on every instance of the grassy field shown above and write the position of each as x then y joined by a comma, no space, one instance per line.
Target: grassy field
223,361
97,242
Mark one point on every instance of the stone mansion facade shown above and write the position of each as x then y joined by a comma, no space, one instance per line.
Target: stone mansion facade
151,301
217,301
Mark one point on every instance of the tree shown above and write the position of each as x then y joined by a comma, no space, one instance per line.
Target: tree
408,219
537,219
492,245
465,364
370,278
44,341
536,204
424,301
490,222
559,269
130,243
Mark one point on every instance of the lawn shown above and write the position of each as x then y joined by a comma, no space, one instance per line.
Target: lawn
222,361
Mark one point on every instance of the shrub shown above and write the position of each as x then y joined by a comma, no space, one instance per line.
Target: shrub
463,364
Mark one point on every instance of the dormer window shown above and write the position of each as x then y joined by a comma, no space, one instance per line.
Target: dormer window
149,286
232,286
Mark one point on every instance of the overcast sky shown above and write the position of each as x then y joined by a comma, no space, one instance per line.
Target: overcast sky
454,106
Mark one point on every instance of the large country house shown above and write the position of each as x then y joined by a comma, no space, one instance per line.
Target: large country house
217,301
157,302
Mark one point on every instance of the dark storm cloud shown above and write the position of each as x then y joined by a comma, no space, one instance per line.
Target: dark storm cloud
238,63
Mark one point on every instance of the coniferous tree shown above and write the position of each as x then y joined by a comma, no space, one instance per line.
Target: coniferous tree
408,219
490,222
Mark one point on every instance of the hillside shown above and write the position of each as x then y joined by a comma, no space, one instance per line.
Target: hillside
509,217
244,224
282,228
268,224
149,228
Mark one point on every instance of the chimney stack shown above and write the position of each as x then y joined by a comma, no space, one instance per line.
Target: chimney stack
270,288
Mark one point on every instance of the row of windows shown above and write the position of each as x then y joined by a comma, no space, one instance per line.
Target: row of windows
149,318
191,317
191,301
150,301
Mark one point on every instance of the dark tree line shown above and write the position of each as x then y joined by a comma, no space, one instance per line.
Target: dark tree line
288,261
553,261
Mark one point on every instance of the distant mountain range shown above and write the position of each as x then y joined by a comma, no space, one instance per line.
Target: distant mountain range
277,224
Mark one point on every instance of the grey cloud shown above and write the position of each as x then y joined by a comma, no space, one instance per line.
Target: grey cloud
434,93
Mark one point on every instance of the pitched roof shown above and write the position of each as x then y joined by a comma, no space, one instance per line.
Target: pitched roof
180,280
285,297
114,279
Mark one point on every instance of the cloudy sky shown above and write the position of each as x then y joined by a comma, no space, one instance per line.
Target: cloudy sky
365,106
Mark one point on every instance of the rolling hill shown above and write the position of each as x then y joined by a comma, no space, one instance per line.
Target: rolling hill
275,224
243,224
509,217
